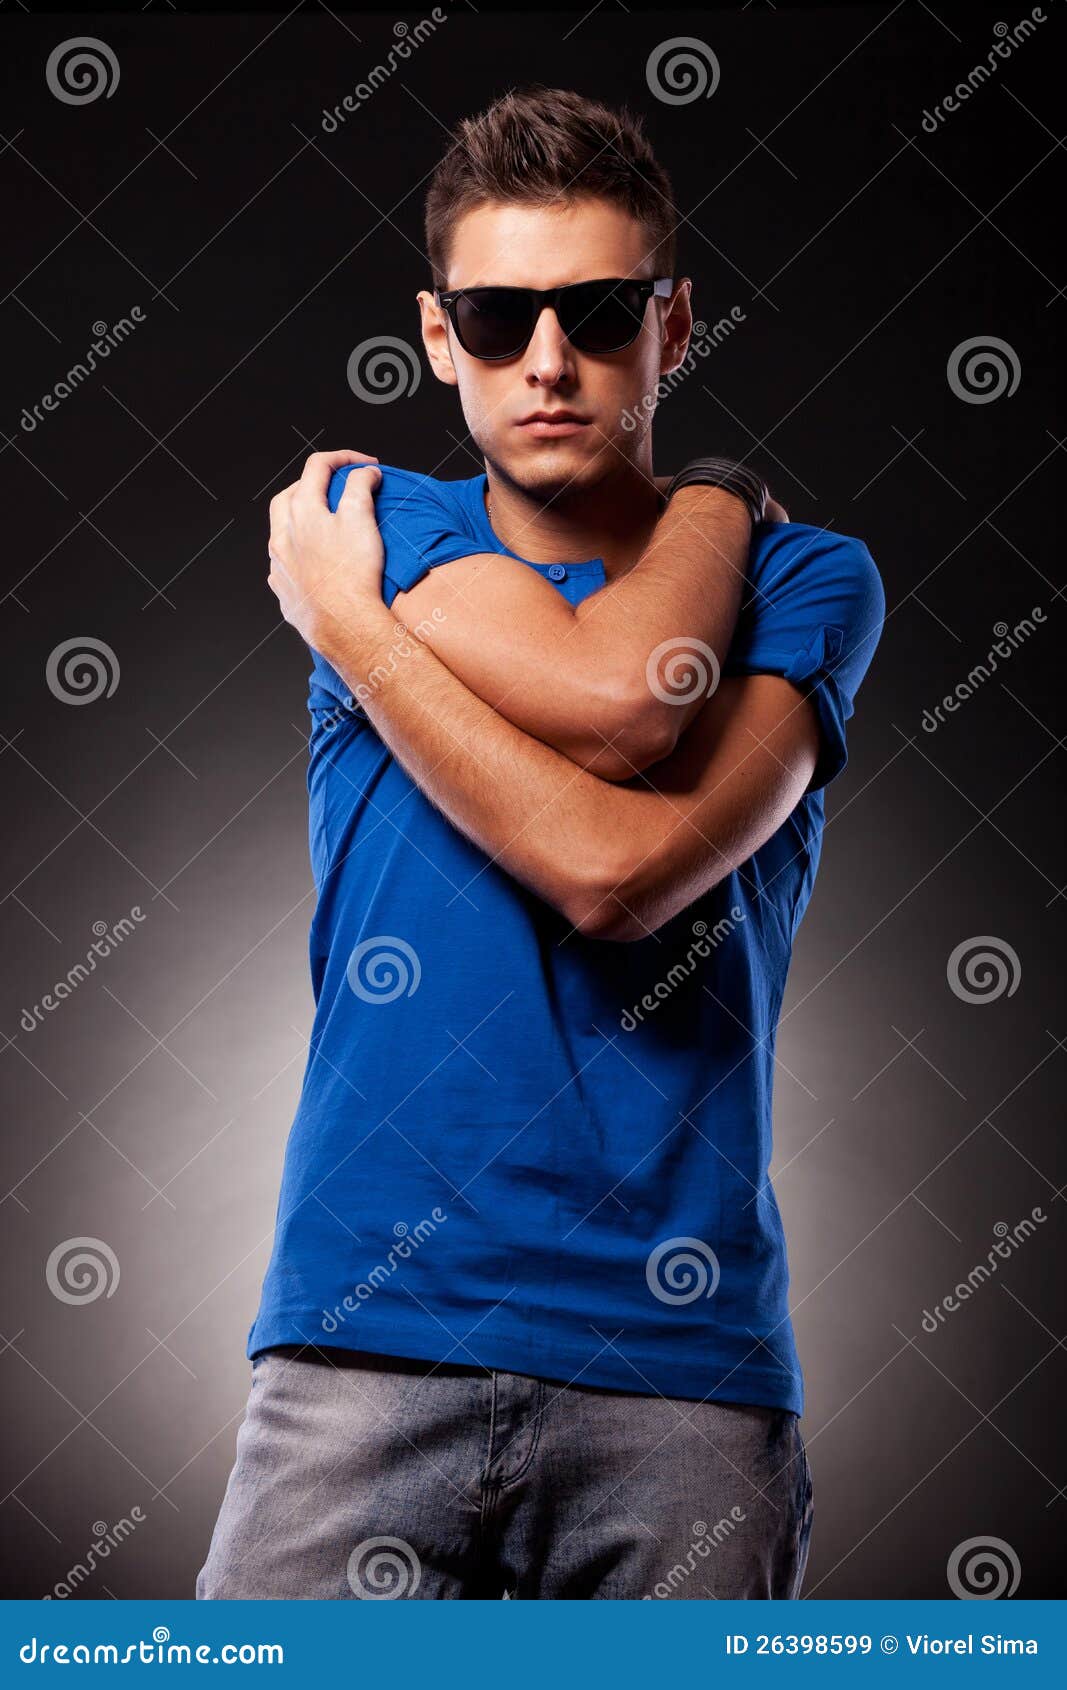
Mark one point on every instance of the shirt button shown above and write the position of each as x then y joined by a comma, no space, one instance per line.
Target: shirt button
556,572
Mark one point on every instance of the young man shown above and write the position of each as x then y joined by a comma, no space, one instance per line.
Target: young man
525,1327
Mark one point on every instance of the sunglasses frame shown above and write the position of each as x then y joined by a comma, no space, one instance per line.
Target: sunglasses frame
659,287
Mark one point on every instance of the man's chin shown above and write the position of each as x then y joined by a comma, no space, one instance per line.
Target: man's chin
550,473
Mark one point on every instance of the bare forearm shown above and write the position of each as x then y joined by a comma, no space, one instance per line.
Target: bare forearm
525,805
685,585
613,681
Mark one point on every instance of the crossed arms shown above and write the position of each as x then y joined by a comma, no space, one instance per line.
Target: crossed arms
635,818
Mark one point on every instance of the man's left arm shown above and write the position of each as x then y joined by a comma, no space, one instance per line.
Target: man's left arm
617,860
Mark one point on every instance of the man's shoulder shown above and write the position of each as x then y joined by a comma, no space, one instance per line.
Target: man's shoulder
798,560
402,486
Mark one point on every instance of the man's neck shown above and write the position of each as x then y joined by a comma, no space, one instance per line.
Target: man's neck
613,520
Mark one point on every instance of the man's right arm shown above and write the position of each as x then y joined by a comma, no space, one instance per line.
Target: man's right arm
613,681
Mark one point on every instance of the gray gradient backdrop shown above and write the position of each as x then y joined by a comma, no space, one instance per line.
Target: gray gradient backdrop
149,1110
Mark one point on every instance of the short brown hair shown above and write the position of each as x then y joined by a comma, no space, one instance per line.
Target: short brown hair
537,145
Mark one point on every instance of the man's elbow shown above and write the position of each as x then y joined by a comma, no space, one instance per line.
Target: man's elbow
615,902
634,730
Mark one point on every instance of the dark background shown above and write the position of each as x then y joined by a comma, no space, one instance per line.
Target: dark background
149,1111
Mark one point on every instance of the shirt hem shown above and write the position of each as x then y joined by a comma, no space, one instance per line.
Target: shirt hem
639,1375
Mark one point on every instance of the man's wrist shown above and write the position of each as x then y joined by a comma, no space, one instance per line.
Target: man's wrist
734,478
355,641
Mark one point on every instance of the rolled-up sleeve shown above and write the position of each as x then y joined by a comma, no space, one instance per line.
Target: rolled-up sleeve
420,525
813,613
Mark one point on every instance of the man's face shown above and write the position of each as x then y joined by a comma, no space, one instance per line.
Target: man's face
510,245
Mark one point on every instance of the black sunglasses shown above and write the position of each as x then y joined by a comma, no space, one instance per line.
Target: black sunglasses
601,316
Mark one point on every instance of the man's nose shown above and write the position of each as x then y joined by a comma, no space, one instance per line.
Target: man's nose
549,356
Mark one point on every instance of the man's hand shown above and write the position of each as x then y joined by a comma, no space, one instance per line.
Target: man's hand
326,566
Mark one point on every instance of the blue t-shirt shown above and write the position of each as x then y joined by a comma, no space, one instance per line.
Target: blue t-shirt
517,1146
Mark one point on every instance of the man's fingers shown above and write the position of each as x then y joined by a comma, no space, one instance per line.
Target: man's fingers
360,489
315,480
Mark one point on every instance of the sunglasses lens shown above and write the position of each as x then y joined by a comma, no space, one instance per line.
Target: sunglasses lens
493,322
602,316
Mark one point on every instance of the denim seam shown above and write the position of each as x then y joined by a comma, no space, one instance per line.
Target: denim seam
505,1484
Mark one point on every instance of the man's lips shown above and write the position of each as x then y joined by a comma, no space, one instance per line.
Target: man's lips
550,424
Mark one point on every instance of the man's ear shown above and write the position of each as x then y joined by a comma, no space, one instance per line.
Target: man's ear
677,328
435,339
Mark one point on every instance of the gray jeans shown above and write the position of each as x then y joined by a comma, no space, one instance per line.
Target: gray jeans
361,1475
